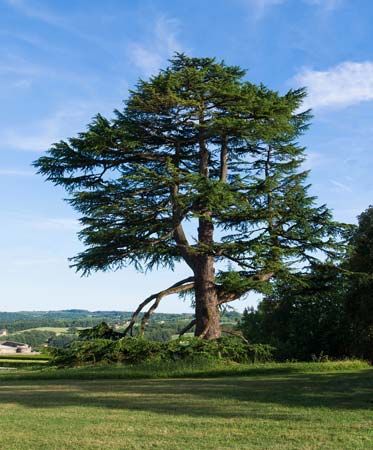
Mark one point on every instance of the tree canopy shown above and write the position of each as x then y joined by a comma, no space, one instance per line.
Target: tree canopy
200,166
359,299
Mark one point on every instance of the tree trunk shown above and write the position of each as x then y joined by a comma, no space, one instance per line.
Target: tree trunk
207,312
206,296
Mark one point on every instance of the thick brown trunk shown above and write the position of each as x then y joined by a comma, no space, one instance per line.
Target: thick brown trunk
206,296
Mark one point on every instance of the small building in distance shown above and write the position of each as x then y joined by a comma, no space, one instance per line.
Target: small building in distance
7,347
3,332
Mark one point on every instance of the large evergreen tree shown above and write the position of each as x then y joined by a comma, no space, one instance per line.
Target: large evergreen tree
203,167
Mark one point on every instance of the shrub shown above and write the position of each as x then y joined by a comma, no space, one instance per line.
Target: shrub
83,352
189,348
261,352
136,350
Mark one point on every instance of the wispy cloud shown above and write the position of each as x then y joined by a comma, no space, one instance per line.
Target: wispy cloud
259,8
149,56
38,222
55,224
41,261
16,173
326,5
346,84
39,135
316,159
34,10
341,187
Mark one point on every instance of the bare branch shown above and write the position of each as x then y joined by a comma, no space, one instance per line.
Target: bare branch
175,288
179,234
224,160
235,333
188,327
154,306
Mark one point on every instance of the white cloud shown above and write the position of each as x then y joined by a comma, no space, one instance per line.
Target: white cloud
39,135
31,9
149,56
258,8
327,5
346,84
55,224
37,261
316,159
37,11
341,187
39,222
16,173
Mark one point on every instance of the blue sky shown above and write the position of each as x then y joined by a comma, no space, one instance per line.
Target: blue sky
61,62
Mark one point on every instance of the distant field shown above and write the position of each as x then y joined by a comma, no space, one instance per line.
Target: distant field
57,330
273,406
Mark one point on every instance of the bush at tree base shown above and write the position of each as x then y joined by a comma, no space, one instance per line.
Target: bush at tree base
135,350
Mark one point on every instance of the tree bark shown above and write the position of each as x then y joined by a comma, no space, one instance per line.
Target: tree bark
206,295
206,299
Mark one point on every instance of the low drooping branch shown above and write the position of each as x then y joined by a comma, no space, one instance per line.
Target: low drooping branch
235,333
180,286
188,327
175,289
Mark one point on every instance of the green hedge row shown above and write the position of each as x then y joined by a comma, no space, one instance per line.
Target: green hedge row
134,350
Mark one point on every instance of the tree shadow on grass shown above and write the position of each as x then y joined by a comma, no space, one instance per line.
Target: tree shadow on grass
219,397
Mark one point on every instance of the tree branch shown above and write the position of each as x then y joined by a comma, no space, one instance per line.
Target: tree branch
224,160
188,327
180,286
226,297
235,333
172,290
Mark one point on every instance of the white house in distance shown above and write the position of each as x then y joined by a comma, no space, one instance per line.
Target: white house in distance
7,347
3,332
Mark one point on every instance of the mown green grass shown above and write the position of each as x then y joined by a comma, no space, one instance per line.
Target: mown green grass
23,360
271,406
28,356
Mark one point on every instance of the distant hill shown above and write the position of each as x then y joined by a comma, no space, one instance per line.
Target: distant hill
80,318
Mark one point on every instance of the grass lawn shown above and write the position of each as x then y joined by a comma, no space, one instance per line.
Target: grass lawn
273,406
22,359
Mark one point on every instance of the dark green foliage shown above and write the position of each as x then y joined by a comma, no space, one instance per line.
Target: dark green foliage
83,352
62,340
137,350
133,350
100,331
36,338
305,319
359,303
